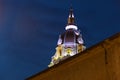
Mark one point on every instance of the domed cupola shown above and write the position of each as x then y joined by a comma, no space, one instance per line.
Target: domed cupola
69,43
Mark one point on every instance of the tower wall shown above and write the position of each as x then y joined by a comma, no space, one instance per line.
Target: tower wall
100,62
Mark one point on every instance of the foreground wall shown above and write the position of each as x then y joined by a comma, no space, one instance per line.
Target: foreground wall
100,62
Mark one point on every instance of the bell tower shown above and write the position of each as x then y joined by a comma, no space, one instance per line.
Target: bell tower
69,43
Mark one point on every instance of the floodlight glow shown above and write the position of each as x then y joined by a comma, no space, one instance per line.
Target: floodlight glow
59,41
71,27
80,40
71,16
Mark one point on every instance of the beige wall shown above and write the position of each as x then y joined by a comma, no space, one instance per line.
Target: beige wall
100,62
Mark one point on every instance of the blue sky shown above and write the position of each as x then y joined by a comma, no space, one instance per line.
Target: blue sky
29,30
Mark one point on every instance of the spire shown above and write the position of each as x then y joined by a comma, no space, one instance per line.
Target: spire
71,19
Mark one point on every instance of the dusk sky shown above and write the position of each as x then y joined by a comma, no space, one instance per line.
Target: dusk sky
29,30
